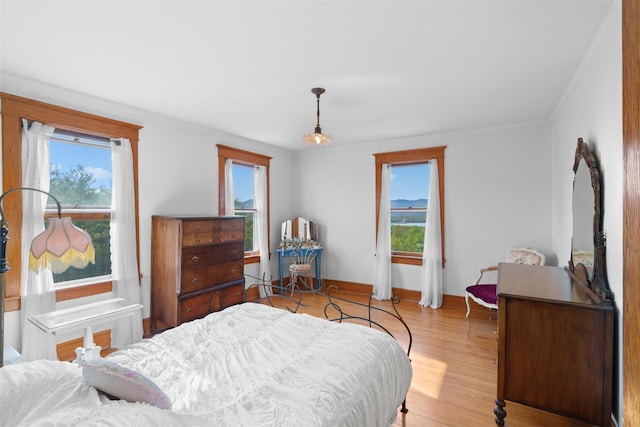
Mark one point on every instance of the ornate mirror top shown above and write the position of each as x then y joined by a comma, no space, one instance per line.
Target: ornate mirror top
587,261
299,232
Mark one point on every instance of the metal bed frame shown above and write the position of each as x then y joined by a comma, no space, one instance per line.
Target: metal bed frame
339,304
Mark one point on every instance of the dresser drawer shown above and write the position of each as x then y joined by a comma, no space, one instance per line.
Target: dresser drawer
194,279
201,305
198,256
197,233
228,230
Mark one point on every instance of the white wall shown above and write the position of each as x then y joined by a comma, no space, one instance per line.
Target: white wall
497,196
592,109
178,175
178,172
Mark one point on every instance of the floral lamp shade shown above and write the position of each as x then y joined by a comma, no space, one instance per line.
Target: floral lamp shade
60,246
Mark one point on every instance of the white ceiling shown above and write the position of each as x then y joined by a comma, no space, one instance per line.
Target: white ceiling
391,68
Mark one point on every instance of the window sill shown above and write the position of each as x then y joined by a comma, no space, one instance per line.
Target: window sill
406,259
65,294
251,259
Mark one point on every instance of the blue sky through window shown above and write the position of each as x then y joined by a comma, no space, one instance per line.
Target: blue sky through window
242,182
97,161
410,182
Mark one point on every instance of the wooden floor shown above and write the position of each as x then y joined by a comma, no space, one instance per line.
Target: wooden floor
454,367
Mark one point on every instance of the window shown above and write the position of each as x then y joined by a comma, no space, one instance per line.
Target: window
80,179
243,164
243,202
14,109
409,189
408,198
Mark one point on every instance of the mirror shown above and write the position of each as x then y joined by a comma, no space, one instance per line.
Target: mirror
582,249
299,229
587,262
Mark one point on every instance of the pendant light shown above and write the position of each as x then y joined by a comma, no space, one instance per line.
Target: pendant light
317,137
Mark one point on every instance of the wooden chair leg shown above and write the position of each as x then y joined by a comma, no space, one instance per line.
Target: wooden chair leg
466,300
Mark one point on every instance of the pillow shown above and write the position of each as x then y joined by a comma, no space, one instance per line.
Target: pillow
123,383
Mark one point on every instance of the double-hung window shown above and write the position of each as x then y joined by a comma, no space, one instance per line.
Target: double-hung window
83,169
239,167
409,189
408,199
80,178
244,203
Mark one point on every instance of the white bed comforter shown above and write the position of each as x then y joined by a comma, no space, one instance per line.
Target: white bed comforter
249,365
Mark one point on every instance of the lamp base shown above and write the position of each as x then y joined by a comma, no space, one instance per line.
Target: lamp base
90,353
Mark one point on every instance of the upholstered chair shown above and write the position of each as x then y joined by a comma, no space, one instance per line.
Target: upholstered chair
485,294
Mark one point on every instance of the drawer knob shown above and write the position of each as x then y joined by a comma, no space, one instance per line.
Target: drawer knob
195,258
189,309
197,240
195,280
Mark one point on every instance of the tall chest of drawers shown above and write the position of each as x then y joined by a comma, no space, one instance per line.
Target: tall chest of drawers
197,267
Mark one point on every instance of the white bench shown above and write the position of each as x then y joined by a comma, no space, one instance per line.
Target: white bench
84,317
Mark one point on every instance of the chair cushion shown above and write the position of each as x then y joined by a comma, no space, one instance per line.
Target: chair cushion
300,267
485,292
523,256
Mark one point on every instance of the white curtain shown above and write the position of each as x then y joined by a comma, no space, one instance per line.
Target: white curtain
37,289
382,272
124,264
432,252
229,205
261,227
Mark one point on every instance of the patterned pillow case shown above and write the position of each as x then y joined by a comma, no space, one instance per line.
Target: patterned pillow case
123,383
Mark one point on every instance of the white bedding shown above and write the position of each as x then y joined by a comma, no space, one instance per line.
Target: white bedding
249,365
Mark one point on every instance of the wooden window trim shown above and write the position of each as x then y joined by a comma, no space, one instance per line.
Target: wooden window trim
250,159
81,216
66,294
408,157
14,109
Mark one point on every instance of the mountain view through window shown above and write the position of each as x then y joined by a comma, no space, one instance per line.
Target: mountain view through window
409,193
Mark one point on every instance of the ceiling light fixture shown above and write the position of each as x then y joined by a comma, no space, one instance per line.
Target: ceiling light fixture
317,137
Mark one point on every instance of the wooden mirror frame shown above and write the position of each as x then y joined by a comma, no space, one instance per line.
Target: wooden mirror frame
597,281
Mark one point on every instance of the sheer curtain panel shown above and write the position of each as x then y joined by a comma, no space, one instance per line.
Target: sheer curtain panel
432,250
37,289
382,272
261,227
124,262
229,206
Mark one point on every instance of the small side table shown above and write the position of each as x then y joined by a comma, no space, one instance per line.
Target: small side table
84,317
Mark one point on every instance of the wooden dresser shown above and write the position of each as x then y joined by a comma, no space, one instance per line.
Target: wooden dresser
555,344
197,267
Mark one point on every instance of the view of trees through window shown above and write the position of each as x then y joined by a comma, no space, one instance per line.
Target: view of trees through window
80,179
243,201
409,194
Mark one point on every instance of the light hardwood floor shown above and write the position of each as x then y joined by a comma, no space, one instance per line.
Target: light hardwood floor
454,367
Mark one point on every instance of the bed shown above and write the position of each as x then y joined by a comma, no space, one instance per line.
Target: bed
248,365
